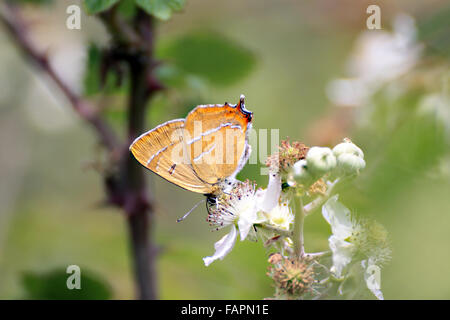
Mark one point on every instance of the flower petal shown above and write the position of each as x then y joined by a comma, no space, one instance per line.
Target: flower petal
269,197
372,276
342,254
245,223
222,247
338,216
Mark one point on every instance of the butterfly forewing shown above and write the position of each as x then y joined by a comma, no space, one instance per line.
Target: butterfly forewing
163,151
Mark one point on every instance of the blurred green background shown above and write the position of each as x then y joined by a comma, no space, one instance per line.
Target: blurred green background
285,54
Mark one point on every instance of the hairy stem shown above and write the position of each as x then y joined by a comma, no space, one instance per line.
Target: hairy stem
299,220
319,201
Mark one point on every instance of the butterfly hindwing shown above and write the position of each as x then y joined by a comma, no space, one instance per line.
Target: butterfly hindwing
217,138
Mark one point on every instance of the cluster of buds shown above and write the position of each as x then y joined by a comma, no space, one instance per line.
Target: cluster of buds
276,216
344,159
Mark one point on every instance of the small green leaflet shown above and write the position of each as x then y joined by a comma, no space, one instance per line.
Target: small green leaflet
98,6
161,9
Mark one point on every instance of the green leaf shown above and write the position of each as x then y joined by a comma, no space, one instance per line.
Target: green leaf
161,9
97,6
52,285
211,56
93,75
434,32
127,8
92,72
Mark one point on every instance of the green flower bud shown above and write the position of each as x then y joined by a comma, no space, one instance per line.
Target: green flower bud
299,173
299,169
320,160
347,147
350,158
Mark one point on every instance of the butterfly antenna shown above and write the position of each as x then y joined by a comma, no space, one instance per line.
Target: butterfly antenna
189,212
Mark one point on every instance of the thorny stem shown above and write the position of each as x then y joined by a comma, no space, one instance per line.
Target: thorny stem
117,27
127,189
299,220
15,25
137,205
319,201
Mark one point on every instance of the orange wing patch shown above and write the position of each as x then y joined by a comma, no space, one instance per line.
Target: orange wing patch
217,137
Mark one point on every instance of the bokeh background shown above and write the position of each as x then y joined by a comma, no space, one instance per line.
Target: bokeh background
293,61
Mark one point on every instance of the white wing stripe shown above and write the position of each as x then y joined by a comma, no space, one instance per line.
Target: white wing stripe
227,124
159,152
204,152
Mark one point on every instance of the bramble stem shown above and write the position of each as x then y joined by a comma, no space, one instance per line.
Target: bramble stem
125,188
319,201
137,204
18,30
299,220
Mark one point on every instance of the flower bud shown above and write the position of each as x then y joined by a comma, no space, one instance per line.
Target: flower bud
347,147
320,160
350,158
299,169
299,173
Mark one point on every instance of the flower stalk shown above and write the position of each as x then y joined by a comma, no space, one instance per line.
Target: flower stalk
299,220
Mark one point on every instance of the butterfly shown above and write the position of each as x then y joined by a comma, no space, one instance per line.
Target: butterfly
203,152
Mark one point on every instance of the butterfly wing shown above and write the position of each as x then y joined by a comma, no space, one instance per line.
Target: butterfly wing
163,151
217,136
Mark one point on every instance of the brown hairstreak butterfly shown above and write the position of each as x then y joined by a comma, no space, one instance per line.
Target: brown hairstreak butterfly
203,152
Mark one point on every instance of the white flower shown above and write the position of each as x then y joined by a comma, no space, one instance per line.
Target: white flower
345,241
281,216
269,197
378,57
372,276
320,160
350,158
381,56
239,209
339,218
347,92
222,247
437,105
